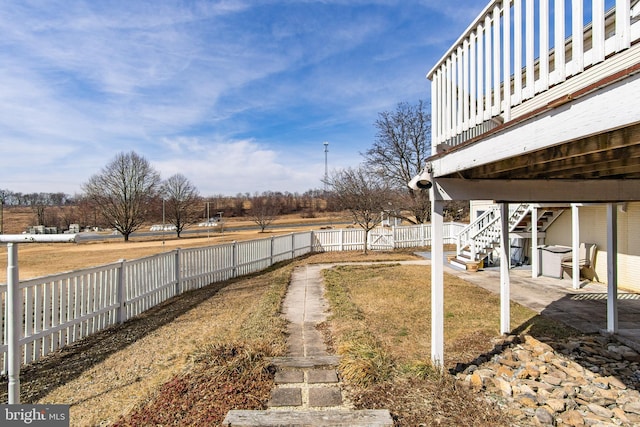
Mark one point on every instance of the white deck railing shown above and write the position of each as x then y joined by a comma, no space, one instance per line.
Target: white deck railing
61,309
533,45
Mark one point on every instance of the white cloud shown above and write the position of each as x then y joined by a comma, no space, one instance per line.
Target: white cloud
237,167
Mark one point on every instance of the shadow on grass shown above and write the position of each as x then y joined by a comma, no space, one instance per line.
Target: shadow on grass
69,362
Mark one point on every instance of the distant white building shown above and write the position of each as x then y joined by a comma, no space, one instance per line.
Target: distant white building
160,227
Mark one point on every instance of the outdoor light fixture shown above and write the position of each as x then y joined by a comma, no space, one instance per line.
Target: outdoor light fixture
422,181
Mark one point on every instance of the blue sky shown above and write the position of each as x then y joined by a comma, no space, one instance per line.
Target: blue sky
238,96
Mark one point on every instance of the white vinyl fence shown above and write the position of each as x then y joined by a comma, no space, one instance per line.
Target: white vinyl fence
61,309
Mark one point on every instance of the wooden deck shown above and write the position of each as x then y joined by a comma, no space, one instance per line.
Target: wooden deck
560,121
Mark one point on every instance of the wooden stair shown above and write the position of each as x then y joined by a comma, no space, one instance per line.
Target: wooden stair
483,235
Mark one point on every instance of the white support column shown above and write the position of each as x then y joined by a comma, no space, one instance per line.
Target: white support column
437,281
535,258
505,314
575,246
612,268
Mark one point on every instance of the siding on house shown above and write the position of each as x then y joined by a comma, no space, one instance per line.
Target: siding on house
477,207
593,229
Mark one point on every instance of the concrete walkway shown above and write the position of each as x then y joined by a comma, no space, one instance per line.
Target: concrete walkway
308,390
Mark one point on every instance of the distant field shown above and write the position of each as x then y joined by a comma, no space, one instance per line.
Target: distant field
41,259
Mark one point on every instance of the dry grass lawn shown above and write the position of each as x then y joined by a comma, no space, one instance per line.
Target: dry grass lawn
394,302
381,326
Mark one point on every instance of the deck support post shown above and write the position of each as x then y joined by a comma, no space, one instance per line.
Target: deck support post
505,314
535,257
612,268
575,246
437,281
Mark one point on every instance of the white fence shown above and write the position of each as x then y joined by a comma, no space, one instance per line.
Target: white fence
60,309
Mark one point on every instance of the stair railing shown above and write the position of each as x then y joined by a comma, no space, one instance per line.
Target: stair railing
484,232
469,235
521,211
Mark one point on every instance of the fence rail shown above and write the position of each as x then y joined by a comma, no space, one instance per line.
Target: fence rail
60,309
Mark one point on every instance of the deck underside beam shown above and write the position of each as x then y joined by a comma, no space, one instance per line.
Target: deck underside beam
539,191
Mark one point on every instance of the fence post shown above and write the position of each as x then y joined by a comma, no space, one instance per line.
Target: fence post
341,240
178,272
393,235
120,293
234,249
271,252
293,245
311,240
13,324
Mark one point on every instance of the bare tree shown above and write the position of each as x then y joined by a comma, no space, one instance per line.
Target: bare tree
182,201
39,202
364,194
122,191
402,145
264,209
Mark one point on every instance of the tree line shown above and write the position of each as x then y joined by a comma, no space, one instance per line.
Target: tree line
262,208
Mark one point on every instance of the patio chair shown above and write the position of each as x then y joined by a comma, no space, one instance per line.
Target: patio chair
586,261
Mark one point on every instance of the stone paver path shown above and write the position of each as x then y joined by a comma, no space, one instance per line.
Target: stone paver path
308,390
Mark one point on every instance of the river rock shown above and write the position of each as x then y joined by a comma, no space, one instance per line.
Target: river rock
593,380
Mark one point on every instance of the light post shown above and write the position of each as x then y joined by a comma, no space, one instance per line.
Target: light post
326,170
208,217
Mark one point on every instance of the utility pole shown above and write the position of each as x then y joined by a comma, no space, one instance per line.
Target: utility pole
326,169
